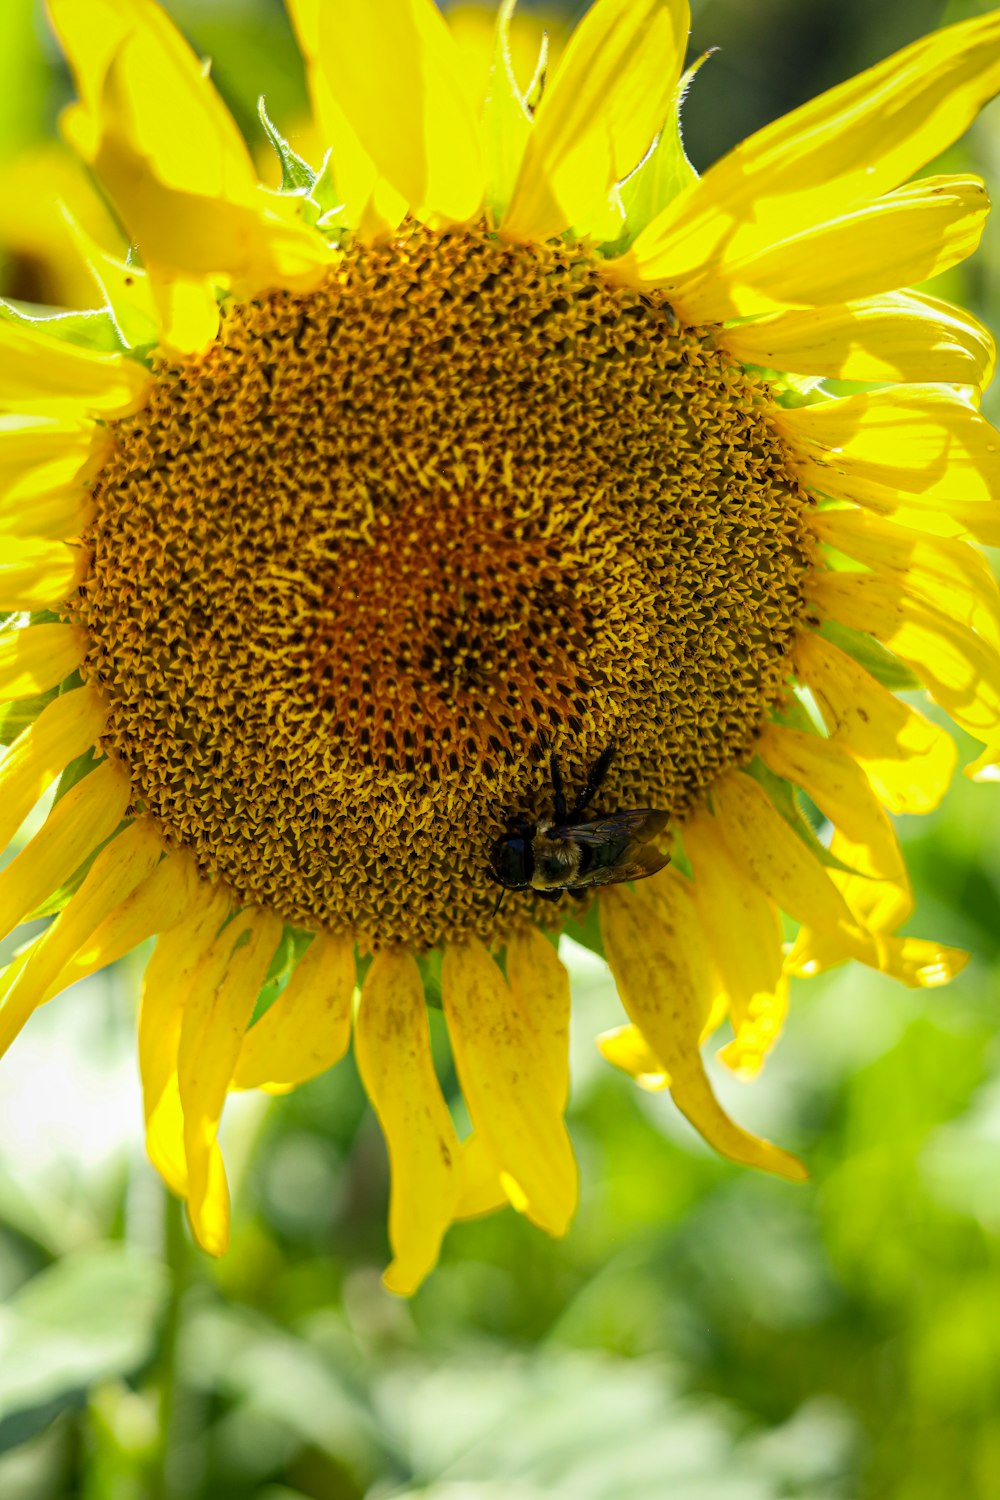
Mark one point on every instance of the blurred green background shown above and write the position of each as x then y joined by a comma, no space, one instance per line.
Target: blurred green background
703,1333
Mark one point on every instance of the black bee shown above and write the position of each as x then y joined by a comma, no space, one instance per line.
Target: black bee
560,853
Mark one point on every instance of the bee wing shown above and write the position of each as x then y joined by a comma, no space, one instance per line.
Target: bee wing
635,825
636,862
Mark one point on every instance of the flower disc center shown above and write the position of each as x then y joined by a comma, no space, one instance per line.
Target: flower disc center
360,565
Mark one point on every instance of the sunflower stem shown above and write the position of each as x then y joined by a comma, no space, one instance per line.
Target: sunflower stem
168,1379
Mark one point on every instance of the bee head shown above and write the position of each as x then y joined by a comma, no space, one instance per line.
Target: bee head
512,861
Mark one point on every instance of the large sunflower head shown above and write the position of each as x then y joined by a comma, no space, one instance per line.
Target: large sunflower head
471,510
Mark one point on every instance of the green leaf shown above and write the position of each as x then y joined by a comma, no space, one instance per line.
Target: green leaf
873,656
87,330
297,176
90,1318
429,965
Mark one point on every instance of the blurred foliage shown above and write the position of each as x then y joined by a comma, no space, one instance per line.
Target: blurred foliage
702,1333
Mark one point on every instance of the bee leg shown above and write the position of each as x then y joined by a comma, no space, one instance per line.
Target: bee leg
576,891
549,895
559,791
598,771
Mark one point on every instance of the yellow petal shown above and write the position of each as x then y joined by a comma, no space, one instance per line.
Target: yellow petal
985,767
37,575
157,904
371,206
43,375
626,1048
176,956
646,942
921,447
88,814
224,990
766,848
511,1066
907,236
40,455
949,574
393,69
308,1027
60,517
845,147
482,1191
959,669
898,336
65,728
840,789
743,929
393,1051
179,123
598,116
37,658
186,311
908,760
115,873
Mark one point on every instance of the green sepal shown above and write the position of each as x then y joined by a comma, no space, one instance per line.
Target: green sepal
291,945
661,176
585,930
787,800
324,207
430,964
21,713
297,176
873,656
506,119
54,904
795,714
87,330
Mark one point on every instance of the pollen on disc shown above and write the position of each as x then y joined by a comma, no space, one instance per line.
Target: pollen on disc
360,566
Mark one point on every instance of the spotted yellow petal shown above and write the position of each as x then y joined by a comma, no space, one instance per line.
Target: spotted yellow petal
177,955
79,822
38,657
513,1086
540,987
959,669
743,928
916,962
36,575
626,1048
157,903
65,728
392,1046
949,574
114,875
908,760
51,377
663,988
394,71
482,1190
907,236
39,455
897,336
598,116
841,791
846,147
308,1028
767,849
224,989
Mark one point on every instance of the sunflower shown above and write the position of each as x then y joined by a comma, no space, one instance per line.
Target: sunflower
494,440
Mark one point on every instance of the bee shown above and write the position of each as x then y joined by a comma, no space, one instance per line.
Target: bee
561,853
